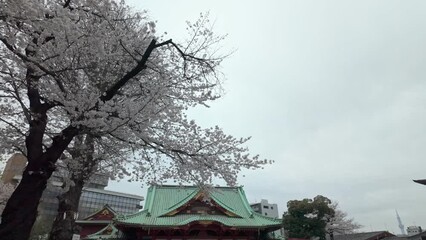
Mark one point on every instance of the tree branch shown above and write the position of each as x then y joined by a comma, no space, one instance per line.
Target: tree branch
182,53
13,126
67,3
125,49
112,91
60,142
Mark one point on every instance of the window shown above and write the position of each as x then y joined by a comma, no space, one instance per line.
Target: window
267,207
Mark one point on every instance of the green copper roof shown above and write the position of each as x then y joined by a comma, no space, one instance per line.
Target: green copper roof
163,200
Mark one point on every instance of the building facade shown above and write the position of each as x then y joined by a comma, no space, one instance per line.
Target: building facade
14,167
266,209
96,221
413,230
93,199
270,210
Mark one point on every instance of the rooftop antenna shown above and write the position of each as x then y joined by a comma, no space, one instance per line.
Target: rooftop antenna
400,225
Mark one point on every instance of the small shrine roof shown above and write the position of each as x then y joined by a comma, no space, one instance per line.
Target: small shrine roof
104,213
421,181
109,231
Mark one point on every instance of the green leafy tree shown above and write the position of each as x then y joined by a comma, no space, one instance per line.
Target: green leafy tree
308,217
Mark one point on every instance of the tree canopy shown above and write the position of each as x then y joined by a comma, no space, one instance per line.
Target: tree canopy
307,218
95,68
317,217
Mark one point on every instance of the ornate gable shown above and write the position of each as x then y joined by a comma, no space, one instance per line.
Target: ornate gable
202,203
201,207
106,231
105,213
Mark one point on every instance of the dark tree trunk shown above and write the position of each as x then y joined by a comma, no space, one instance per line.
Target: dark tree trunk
64,225
21,210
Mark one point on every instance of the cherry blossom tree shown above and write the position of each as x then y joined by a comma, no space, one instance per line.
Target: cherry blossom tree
339,223
87,71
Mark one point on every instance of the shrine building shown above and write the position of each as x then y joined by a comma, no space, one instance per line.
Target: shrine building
96,221
191,213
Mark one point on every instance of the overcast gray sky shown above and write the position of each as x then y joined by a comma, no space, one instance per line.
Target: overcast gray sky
333,91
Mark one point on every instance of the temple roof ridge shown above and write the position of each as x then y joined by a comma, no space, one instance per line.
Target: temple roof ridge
166,203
